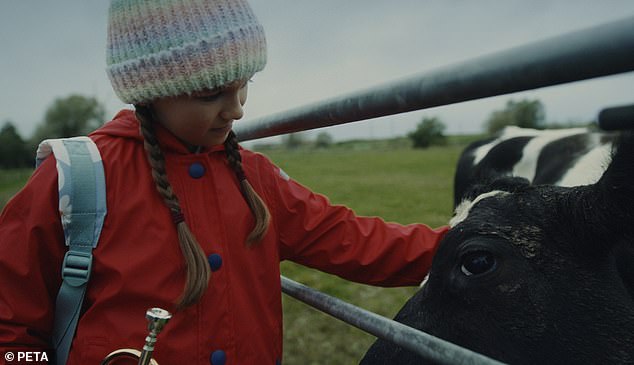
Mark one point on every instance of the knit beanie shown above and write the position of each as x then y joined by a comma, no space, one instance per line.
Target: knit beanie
159,48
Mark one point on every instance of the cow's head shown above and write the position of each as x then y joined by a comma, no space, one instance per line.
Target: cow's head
534,274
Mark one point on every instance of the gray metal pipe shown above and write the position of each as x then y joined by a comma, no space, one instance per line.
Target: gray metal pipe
427,346
598,51
617,118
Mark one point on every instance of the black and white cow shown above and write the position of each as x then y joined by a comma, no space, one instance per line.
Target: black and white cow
564,157
534,274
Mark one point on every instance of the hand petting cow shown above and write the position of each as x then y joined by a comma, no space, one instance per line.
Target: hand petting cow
530,273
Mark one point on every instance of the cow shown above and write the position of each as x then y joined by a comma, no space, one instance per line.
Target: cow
564,157
533,273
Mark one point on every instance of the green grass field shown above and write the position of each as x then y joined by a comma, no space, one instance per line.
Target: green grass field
10,182
398,184
386,179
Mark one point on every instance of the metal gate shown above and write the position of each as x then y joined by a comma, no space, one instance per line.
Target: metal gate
594,52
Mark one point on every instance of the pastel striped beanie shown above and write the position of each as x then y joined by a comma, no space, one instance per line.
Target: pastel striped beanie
159,48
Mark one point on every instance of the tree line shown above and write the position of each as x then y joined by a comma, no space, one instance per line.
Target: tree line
430,131
524,113
74,115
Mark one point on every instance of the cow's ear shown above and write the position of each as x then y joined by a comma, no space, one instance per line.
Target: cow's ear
601,214
612,197
617,182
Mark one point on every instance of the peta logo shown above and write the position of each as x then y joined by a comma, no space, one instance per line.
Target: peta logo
26,357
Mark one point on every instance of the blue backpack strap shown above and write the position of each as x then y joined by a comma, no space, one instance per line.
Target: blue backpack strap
82,205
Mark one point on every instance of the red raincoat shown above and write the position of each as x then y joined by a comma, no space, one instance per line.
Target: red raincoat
138,263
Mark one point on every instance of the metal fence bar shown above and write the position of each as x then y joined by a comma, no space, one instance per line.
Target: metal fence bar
598,51
594,52
427,346
617,118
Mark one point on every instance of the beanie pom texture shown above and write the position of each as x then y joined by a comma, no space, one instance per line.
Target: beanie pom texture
161,48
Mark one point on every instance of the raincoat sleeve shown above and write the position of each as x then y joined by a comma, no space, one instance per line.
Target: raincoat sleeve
31,253
333,239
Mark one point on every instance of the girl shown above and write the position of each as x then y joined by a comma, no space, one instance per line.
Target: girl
196,224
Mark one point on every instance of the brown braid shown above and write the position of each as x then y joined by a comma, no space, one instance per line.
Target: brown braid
198,271
254,201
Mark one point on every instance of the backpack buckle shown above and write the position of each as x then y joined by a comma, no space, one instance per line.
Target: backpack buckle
76,268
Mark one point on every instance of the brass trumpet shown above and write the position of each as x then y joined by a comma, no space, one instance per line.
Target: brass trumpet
157,318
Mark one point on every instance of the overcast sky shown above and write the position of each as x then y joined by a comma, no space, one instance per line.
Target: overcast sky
317,49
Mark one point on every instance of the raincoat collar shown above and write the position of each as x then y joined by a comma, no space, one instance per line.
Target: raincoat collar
126,125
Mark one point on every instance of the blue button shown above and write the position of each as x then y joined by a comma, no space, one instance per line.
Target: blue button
196,170
218,357
215,261
278,362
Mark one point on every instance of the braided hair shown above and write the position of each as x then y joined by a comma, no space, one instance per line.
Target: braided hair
198,271
256,204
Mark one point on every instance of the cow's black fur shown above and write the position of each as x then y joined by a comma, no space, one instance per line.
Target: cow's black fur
561,286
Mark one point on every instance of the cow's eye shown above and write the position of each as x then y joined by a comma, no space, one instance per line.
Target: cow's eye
478,262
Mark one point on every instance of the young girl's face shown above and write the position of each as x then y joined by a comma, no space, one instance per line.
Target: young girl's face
203,118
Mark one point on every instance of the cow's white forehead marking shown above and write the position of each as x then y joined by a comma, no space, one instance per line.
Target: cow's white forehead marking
462,210
425,280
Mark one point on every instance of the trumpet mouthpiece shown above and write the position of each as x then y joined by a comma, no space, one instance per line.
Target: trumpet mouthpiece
157,319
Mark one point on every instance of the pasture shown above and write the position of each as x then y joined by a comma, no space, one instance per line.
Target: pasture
10,182
382,178
389,180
